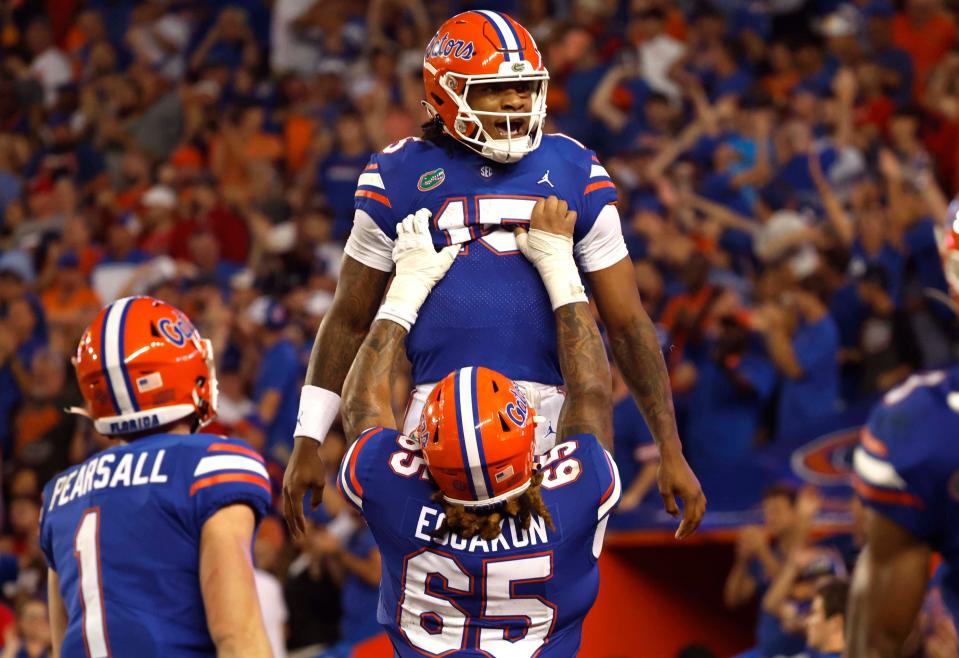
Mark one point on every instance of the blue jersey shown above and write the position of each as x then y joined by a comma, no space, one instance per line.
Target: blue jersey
491,306
522,594
907,466
122,531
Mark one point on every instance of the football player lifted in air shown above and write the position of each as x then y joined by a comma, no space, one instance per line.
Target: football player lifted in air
907,474
149,542
487,549
479,169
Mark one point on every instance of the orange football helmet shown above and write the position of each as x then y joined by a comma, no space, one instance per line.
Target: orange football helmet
948,239
479,47
477,436
141,365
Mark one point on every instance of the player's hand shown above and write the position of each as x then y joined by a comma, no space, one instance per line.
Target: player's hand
304,472
548,245
677,480
552,215
414,253
418,267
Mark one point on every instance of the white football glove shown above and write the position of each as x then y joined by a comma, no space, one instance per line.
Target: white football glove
552,256
418,267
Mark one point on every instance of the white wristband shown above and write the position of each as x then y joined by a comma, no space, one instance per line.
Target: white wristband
318,410
562,282
403,317
552,256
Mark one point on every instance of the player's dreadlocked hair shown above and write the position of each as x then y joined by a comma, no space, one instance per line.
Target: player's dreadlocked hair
486,523
433,130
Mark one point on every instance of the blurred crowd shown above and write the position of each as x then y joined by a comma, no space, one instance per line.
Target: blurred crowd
800,580
781,165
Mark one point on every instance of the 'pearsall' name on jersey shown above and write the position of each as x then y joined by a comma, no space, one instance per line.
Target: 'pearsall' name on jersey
512,535
102,473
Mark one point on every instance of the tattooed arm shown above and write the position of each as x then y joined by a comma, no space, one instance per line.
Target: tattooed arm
635,347
588,408
548,245
366,391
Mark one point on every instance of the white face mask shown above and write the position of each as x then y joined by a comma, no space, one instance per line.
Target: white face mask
508,145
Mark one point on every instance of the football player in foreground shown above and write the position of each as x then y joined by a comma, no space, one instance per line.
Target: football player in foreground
907,474
148,542
479,169
487,548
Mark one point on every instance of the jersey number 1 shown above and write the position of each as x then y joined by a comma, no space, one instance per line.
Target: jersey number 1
86,549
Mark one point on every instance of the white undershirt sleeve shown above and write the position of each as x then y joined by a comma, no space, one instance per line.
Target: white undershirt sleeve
604,245
369,244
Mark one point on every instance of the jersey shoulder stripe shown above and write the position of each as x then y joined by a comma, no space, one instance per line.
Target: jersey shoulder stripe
612,494
876,471
885,496
347,481
225,462
598,171
371,179
377,187
375,196
873,444
231,478
599,185
229,462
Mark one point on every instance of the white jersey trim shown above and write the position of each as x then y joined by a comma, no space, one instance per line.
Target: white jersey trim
603,246
597,171
877,472
344,477
607,506
599,536
368,244
371,180
229,463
